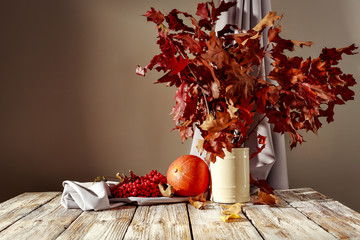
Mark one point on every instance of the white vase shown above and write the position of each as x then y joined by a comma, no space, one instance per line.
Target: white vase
230,177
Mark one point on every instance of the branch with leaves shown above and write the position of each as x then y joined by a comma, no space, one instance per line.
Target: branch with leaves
219,89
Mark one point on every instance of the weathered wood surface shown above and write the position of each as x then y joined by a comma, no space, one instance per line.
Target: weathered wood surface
301,194
21,205
109,224
165,221
301,214
206,224
283,222
334,217
46,222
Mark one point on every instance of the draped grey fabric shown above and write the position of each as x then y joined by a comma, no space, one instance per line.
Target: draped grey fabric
270,164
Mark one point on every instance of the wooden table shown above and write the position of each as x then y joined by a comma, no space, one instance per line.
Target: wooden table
302,214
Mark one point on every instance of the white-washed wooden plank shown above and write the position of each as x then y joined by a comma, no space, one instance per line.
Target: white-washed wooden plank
333,216
283,222
165,221
46,222
107,224
206,224
301,194
15,208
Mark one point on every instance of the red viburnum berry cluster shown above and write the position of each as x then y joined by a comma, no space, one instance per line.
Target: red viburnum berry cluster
135,186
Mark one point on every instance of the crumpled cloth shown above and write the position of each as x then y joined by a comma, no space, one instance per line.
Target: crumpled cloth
96,196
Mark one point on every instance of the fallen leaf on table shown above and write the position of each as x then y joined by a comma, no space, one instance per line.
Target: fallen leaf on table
230,217
235,208
266,198
198,201
231,212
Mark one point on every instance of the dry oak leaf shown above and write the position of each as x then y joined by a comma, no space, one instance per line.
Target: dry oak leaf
231,212
198,201
268,20
216,54
230,209
222,121
230,217
266,198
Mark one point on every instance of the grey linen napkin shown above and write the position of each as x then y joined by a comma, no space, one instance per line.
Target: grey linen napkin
96,196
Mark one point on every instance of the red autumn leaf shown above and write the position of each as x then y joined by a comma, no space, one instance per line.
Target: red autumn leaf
154,16
180,98
262,142
228,28
214,83
202,11
223,7
265,93
170,79
180,64
261,184
175,23
189,43
333,55
186,131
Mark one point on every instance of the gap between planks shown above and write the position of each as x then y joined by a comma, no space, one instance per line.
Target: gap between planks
22,205
325,212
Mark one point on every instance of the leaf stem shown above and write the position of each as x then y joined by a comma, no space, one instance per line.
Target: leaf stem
258,123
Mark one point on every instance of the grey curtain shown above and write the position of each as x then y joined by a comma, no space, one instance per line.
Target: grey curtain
270,164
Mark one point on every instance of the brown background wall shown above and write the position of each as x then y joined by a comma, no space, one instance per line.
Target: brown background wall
72,107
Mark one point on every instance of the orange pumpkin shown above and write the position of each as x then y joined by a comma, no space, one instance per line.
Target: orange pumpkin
189,176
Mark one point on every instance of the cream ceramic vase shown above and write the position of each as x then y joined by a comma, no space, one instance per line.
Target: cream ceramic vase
230,181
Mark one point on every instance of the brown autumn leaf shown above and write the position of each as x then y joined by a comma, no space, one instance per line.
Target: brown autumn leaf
302,43
268,20
266,198
222,121
239,82
215,53
200,146
231,108
198,201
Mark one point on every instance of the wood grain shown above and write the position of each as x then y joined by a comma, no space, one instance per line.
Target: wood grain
301,214
107,224
46,222
300,194
206,224
16,208
166,221
333,216
283,222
